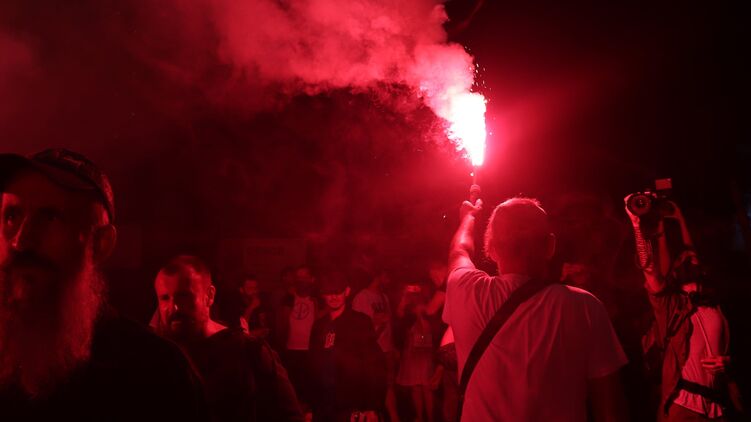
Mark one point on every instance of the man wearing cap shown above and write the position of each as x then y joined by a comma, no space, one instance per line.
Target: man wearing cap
243,378
63,353
349,366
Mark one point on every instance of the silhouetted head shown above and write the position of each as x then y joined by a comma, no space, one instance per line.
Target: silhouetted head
518,237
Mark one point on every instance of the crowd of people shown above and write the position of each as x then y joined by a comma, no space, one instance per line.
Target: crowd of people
546,339
351,352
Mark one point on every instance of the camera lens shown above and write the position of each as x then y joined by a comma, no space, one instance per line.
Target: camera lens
639,204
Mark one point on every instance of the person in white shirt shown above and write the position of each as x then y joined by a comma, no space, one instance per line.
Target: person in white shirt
299,311
555,353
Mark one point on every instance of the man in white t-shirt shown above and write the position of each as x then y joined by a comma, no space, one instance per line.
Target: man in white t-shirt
373,302
557,352
299,311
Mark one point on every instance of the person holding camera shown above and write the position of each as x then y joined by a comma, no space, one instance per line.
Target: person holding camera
689,328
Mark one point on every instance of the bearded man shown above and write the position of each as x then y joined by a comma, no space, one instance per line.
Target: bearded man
63,353
243,377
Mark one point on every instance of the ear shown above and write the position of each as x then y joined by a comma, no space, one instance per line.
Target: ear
105,238
210,295
550,247
347,292
492,253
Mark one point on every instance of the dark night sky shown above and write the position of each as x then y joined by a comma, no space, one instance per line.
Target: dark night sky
612,96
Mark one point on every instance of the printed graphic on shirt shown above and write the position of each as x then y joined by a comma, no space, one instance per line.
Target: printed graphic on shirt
301,310
330,339
379,307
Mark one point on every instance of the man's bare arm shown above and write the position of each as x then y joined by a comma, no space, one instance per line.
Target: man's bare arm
463,244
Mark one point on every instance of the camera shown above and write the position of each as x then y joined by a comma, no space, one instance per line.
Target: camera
643,203
651,205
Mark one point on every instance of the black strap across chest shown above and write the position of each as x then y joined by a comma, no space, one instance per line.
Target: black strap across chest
517,297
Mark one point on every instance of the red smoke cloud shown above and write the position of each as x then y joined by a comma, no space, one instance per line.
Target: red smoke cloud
312,46
244,56
166,94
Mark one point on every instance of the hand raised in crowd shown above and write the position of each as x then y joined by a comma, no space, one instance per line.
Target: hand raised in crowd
716,364
675,213
468,208
634,218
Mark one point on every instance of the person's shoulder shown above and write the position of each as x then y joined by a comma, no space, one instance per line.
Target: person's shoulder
257,351
117,329
578,299
129,343
356,321
466,274
232,340
254,344
358,317
362,296
358,324
237,339
231,336
573,293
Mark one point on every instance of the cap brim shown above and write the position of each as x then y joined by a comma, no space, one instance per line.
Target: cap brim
11,164
332,291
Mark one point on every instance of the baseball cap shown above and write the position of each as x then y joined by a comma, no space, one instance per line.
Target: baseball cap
333,283
66,168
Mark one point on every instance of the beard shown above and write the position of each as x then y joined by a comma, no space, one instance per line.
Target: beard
185,330
47,318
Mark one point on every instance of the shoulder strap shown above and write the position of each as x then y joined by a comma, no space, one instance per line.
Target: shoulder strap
517,297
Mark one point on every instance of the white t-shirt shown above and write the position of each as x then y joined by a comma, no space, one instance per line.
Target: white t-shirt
538,365
301,321
370,303
709,337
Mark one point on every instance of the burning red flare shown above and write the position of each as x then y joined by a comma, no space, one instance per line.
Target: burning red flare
466,116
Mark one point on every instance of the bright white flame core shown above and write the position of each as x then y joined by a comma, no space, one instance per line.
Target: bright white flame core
445,75
466,117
